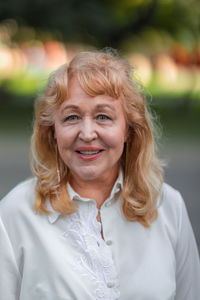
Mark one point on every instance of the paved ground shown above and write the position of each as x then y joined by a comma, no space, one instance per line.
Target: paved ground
183,171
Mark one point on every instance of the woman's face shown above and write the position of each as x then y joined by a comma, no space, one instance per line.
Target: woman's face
90,133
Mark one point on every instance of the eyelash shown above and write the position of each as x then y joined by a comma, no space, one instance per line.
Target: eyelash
104,117
72,118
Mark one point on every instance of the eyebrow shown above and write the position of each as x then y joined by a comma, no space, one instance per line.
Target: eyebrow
75,107
100,106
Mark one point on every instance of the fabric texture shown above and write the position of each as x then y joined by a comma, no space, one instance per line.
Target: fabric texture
58,257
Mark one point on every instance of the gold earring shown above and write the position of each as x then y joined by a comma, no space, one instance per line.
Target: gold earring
57,165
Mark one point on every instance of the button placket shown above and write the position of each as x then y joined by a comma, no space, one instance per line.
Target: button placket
110,285
109,242
108,204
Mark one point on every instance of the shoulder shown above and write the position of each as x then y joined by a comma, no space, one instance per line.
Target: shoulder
172,211
19,198
173,215
170,200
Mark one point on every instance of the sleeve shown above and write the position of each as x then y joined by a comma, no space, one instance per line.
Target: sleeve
187,260
9,273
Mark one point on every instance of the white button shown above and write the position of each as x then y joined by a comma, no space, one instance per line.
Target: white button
107,204
109,242
110,284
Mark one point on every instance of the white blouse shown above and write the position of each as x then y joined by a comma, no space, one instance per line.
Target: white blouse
60,257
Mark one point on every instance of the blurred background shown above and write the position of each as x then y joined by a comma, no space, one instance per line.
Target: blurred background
160,38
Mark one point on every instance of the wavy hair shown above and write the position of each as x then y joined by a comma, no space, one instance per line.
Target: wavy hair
99,72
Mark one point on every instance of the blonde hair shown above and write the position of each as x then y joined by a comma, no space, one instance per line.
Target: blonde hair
98,72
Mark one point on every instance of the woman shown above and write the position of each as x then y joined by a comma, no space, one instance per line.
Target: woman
104,225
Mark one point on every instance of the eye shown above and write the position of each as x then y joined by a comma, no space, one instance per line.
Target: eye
71,118
103,117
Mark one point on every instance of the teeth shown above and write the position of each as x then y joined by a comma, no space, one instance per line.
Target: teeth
89,152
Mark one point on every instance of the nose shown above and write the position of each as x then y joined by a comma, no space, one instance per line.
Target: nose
87,131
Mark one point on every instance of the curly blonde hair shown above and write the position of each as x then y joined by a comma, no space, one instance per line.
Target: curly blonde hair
98,72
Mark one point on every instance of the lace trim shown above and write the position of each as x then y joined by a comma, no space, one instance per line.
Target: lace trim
93,260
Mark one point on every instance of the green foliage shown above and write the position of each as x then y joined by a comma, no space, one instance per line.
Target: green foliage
103,22
23,84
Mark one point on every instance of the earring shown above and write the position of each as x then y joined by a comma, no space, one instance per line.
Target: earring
57,165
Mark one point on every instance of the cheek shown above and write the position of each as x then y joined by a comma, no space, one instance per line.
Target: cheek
64,142
115,139
64,137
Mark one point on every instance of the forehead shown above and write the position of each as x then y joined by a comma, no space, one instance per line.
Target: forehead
77,97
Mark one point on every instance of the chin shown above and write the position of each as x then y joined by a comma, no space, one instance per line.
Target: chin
89,173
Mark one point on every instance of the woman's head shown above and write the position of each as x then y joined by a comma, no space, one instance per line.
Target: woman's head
101,76
90,132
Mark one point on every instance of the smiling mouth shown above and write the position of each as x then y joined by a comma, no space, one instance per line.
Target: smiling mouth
89,152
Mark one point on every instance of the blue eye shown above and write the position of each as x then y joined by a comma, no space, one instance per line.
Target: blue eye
103,117
71,118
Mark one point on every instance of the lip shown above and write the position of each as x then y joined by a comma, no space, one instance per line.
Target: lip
89,157
88,148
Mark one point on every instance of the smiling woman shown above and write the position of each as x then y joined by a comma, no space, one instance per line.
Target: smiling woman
97,221
92,85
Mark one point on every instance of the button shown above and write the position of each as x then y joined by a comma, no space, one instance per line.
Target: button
109,242
110,284
108,204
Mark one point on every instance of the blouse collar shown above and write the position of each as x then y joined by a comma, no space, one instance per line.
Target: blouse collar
75,196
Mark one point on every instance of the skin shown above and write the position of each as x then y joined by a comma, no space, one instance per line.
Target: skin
85,121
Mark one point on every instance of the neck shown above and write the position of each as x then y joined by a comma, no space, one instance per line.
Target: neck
98,189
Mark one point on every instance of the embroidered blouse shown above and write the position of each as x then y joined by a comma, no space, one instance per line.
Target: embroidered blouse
60,257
